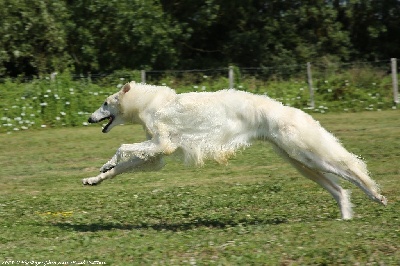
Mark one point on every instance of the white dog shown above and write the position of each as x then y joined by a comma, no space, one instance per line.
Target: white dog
213,125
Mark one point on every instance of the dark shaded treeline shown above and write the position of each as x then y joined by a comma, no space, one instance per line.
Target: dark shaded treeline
96,36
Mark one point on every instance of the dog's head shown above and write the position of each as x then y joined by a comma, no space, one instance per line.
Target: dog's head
110,110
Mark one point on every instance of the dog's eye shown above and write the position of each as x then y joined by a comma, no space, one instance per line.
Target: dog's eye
105,103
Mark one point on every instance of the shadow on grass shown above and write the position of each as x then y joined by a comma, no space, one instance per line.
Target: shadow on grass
94,227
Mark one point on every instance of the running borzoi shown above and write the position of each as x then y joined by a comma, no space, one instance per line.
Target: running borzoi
213,125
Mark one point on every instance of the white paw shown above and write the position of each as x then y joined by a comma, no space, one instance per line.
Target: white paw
383,200
90,181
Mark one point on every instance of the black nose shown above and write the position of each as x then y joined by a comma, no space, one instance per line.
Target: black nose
90,120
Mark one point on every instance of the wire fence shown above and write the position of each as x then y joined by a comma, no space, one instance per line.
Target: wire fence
58,100
367,85
377,77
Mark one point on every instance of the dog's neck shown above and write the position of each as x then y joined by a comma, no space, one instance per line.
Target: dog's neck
143,101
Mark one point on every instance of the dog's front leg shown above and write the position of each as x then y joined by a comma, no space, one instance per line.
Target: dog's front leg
145,156
142,150
134,164
115,170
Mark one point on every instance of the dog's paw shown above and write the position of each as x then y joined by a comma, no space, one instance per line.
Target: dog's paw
91,181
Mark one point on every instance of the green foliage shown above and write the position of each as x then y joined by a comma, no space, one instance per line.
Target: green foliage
255,211
33,37
103,36
46,103
121,34
65,101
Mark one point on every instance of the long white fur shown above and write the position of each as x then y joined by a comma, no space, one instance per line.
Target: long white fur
213,125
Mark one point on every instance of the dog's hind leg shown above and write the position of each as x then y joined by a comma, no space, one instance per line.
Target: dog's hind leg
355,171
327,181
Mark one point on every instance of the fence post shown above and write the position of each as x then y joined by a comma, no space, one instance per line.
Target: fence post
395,82
143,76
310,85
89,77
230,75
53,76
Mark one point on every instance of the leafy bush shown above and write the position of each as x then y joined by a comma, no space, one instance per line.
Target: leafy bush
46,103
65,101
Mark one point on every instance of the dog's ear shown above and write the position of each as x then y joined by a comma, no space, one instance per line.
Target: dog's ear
126,88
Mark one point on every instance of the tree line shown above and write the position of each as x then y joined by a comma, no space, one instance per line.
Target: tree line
39,37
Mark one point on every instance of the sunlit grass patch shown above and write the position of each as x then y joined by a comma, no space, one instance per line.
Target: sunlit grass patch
257,210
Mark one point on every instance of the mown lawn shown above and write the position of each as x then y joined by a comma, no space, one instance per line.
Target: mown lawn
255,211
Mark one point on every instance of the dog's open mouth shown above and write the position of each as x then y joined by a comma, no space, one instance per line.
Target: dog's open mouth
105,128
110,120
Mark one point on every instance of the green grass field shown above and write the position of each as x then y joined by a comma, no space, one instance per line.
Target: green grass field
255,211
